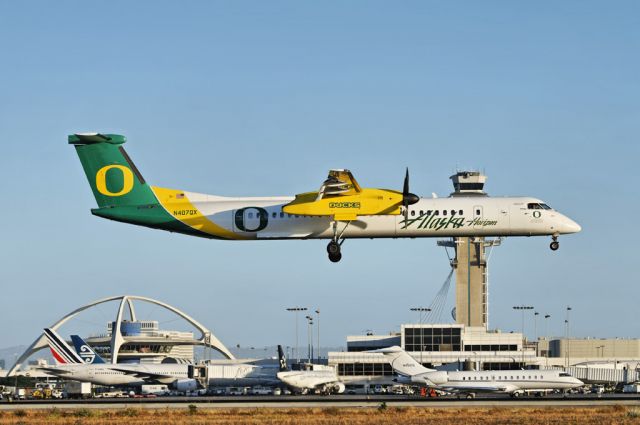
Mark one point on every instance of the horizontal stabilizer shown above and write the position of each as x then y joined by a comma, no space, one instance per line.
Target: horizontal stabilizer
91,138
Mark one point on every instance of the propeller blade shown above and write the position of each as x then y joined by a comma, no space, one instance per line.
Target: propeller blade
405,187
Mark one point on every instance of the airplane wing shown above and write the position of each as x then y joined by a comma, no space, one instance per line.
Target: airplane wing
147,376
339,183
54,370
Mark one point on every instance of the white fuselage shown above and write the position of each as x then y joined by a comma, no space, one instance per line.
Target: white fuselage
106,373
262,218
307,379
508,381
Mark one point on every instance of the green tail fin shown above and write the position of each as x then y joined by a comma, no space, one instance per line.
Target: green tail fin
114,179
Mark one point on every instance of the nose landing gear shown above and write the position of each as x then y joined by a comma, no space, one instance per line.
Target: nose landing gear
555,244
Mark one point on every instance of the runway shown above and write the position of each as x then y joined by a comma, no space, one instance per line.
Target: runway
351,401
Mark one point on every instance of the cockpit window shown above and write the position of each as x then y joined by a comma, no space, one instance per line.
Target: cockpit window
565,374
536,206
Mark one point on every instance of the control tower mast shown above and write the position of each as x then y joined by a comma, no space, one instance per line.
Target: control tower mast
472,280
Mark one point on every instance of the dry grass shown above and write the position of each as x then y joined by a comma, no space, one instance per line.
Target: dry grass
619,415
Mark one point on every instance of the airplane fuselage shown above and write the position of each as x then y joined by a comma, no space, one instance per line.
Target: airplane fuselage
507,381
108,374
263,219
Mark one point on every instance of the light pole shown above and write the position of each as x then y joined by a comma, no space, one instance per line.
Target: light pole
296,310
535,329
522,308
318,336
420,311
546,326
309,338
566,322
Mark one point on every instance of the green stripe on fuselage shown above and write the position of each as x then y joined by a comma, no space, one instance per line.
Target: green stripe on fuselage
151,215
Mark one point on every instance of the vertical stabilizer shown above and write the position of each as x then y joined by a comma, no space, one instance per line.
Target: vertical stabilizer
113,177
402,362
62,353
85,351
282,359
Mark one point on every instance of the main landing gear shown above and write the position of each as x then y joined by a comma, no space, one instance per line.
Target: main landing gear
555,244
333,249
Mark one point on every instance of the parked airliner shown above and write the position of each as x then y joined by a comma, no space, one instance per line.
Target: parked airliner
85,365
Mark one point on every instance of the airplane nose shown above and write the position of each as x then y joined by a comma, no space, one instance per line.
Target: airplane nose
570,226
574,227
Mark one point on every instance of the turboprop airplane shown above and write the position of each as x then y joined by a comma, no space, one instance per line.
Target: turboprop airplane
339,210
513,382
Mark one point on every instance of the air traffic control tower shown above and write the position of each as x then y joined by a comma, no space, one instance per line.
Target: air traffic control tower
470,262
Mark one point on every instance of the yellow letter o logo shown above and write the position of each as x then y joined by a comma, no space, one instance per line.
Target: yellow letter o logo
101,180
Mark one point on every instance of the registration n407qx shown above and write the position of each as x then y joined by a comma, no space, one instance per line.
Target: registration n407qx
339,210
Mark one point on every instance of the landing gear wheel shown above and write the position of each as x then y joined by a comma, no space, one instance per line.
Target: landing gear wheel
334,258
333,248
554,245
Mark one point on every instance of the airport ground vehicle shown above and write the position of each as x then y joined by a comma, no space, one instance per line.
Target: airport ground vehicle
262,391
632,388
75,389
237,391
161,390
45,391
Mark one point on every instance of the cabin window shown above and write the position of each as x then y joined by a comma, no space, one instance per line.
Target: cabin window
428,212
477,212
274,215
453,212
421,212
413,213
436,212
444,212
460,212
281,215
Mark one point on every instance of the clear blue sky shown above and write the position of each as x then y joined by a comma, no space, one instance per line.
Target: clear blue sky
262,98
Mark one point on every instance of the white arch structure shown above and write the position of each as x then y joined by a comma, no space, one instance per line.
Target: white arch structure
206,337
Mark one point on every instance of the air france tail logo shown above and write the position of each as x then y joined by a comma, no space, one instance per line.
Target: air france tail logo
87,354
127,180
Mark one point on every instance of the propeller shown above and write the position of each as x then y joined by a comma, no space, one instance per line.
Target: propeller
408,198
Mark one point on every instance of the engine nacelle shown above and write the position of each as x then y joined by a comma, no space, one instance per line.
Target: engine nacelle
185,385
339,387
430,378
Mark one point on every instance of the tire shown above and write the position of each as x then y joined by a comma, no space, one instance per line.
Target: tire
334,258
333,248
554,245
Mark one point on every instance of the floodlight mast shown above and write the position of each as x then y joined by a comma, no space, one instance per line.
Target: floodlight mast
296,310
523,308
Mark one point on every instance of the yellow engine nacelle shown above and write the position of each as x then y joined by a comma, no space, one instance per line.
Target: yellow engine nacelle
347,207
